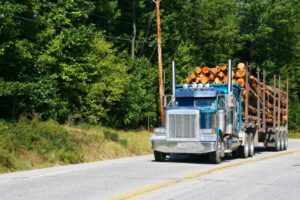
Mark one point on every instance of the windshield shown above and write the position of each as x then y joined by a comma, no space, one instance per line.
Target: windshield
197,102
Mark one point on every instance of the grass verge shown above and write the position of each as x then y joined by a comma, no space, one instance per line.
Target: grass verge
33,144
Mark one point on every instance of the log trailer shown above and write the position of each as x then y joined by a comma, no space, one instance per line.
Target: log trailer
218,120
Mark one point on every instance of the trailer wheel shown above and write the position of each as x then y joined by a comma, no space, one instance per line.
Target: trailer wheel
286,141
282,141
278,139
159,156
244,150
251,145
216,156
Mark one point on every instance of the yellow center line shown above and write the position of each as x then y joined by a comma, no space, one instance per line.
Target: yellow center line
192,176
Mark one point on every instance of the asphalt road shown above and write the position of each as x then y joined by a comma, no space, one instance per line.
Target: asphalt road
268,175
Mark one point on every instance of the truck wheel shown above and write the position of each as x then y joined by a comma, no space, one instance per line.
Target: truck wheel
159,156
286,141
216,156
277,141
244,150
235,154
282,141
251,145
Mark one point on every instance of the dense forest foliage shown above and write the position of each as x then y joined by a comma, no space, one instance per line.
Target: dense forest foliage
96,60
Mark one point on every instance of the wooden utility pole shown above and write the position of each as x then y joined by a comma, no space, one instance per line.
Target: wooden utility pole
160,70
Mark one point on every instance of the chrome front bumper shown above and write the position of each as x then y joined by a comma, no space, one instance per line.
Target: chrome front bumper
189,147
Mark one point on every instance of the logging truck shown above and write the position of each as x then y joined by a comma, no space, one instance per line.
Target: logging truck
222,112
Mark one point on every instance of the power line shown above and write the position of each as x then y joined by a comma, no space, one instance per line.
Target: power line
116,20
153,52
75,29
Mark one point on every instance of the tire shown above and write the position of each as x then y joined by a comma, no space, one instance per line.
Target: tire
216,156
282,138
244,150
285,141
251,145
235,154
159,156
277,141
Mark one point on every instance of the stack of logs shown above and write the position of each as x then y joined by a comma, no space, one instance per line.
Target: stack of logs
218,75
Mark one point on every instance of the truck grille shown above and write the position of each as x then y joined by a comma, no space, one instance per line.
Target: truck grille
182,125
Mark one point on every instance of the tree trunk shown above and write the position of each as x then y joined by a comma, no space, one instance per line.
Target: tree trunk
133,31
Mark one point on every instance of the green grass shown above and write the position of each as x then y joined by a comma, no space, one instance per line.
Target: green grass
32,144
294,134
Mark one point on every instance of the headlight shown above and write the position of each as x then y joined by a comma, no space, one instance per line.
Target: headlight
159,131
185,86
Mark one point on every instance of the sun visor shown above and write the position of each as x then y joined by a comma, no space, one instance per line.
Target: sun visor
192,93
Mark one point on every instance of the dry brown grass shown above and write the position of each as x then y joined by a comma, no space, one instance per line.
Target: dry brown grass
33,144
96,147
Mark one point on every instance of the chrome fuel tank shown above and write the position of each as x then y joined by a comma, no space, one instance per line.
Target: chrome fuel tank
221,120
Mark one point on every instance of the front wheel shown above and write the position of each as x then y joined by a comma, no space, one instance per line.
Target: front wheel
216,156
159,156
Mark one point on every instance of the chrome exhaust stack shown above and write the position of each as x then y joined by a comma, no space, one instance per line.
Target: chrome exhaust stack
229,77
230,102
173,80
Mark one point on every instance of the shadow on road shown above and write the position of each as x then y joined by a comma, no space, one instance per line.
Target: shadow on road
204,159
